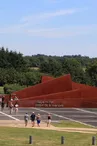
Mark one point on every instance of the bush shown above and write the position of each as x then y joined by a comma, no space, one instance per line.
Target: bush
1,90
9,88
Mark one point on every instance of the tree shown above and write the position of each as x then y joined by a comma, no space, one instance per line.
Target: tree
32,78
52,67
92,72
73,67
8,89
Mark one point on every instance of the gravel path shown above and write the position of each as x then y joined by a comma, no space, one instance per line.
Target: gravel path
20,124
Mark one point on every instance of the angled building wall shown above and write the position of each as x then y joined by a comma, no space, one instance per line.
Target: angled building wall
60,84
61,92
68,99
46,78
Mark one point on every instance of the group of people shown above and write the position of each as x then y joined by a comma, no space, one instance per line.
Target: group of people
37,117
12,104
13,107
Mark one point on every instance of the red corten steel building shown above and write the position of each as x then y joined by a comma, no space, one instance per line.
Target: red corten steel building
58,92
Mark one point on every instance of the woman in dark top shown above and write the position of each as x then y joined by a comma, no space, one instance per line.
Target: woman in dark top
33,119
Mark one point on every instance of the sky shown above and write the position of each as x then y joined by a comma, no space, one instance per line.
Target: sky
50,27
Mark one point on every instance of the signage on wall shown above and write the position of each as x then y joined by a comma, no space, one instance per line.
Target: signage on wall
47,104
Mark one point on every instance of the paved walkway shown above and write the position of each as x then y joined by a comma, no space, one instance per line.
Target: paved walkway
84,116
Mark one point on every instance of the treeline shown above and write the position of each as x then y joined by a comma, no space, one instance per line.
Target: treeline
27,70
82,68
14,72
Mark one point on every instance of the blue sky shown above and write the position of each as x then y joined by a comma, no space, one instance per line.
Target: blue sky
51,27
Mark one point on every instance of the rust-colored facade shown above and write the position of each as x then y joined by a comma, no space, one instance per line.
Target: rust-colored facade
46,78
60,84
58,92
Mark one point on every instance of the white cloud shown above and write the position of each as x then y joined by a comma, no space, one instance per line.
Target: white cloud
52,32
18,28
63,32
50,14
24,26
26,23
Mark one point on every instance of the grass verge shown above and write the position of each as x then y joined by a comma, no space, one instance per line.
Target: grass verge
70,124
20,137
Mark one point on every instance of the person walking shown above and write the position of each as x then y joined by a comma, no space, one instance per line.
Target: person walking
2,106
11,107
16,98
32,117
2,103
38,120
49,120
26,119
16,108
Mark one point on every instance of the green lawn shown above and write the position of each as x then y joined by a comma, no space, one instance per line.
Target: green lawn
70,124
20,137
1,90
